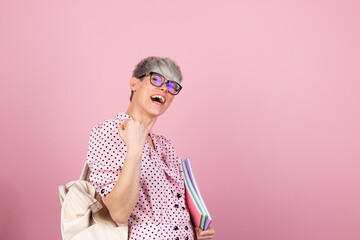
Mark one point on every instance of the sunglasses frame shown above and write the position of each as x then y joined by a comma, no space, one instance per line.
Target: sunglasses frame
166,81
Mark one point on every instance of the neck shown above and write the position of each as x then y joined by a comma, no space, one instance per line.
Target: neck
143,117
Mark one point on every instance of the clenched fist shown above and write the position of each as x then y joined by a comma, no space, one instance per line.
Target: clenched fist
133,134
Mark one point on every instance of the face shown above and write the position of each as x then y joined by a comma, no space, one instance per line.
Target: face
149,98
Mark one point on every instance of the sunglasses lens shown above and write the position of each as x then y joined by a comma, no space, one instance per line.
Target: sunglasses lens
176,88
157,80
171,87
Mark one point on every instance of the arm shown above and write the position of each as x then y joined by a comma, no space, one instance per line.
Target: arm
124,196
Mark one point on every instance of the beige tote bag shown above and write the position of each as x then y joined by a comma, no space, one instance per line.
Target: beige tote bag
84,216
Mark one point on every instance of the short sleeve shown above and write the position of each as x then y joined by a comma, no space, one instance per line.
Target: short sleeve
105,156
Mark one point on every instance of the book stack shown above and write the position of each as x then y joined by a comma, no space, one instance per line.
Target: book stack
199,214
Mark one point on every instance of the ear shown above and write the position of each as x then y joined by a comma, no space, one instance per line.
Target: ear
133,83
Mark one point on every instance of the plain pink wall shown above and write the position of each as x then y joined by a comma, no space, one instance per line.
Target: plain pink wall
269,112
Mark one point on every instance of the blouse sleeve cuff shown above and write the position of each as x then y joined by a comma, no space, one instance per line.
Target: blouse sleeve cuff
106,189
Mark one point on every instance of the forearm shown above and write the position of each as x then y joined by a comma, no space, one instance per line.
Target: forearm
124,196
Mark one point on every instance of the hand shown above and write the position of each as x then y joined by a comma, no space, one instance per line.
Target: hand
208,234
134,134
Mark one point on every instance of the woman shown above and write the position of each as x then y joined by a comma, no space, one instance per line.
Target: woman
136,171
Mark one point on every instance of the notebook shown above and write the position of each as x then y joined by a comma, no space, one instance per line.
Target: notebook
199,213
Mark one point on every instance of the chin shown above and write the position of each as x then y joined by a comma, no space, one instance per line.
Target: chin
156,112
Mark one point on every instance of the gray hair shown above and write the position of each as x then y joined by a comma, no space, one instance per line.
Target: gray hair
164,66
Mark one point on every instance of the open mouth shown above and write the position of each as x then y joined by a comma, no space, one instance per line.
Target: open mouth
158,99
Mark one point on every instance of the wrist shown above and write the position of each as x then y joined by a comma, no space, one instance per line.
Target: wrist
134,153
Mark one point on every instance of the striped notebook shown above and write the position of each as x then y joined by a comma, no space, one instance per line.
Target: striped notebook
199,214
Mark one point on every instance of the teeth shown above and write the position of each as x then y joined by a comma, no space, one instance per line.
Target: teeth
162,99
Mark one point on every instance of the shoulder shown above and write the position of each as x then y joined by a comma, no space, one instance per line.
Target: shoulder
105,128
104,140
106,125
110,125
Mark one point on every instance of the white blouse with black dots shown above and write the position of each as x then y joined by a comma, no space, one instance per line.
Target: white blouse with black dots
161,211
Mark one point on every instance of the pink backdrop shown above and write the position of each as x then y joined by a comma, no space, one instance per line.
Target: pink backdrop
269,112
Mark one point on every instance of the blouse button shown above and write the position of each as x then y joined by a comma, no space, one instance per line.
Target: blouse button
186,228
102,190
178,195
177,206
183,208
176,228
177,238
187,238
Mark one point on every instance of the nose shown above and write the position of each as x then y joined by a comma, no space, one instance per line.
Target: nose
164,87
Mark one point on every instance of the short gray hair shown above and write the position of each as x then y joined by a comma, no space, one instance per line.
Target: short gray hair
164,66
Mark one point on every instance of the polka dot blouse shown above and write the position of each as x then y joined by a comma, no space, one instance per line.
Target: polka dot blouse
161,211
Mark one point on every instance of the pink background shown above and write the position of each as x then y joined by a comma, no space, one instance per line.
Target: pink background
269,112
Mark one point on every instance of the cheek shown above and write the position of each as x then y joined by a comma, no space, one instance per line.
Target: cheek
145,92
169,100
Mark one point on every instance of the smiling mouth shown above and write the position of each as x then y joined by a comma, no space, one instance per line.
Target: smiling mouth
158,99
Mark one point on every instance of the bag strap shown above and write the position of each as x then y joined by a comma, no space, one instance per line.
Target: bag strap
63,189
85,172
